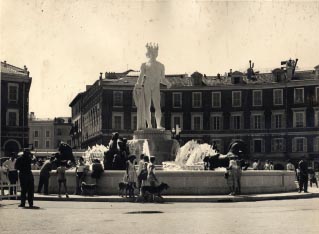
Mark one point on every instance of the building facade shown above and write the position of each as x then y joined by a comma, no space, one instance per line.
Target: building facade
15,88
46,134
276,114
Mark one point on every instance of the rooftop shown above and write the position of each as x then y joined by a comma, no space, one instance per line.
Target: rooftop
13,70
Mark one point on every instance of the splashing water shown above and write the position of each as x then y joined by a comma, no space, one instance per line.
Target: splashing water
190,156
96,152
146,148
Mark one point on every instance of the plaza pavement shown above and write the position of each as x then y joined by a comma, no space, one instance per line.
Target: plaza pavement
263,217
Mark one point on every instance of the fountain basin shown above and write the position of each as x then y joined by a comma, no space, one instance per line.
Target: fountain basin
189,182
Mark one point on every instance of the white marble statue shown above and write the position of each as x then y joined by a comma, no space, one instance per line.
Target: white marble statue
147,89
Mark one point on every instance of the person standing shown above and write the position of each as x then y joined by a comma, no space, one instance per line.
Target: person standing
45,176
271,166
80,172
151,172
233,177
303,176
23,165
62,178
256,164
139,170
12,172
131,175
267,166
312,178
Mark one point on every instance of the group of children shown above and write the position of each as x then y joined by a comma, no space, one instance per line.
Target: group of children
145,174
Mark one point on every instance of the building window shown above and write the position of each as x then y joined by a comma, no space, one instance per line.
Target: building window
134,121
317,95
13,93
257,98
12,117
216,99
117,121
177,119
236,122
278,145
197,99
277,119
117,98
47,144
216,122
278,96
316,144
258,146
299,144
236,98
177,100
197,122
299,119
36,133
257,121
36,144
299,95
47,133
59,132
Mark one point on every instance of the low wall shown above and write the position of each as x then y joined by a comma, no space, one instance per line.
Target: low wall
189,182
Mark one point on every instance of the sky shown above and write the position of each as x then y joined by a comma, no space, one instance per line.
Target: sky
66,44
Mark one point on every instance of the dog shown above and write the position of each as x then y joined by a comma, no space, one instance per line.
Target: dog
88,189
126,188
155,191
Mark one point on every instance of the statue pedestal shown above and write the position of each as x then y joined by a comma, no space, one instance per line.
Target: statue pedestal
160,143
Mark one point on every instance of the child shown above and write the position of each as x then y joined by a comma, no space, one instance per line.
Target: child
151,172
312,178
61,178
80,171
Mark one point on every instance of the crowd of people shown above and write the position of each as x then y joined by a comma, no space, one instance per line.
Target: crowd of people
137,173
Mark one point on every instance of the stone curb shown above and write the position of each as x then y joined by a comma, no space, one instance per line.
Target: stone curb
168,199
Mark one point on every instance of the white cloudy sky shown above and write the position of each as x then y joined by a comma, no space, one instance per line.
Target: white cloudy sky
66,44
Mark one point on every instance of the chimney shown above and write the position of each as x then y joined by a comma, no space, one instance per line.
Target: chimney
5,63
101,75
218,76
25,68
230,72
32,116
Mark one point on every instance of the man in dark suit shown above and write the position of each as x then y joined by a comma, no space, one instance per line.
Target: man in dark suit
23,165
303,175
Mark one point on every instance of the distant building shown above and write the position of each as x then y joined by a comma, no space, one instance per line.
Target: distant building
46,134
15,87
276,114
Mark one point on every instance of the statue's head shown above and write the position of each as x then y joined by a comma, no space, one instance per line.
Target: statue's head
152,50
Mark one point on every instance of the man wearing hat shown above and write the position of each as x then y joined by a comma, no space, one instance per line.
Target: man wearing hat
23,165
303,175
